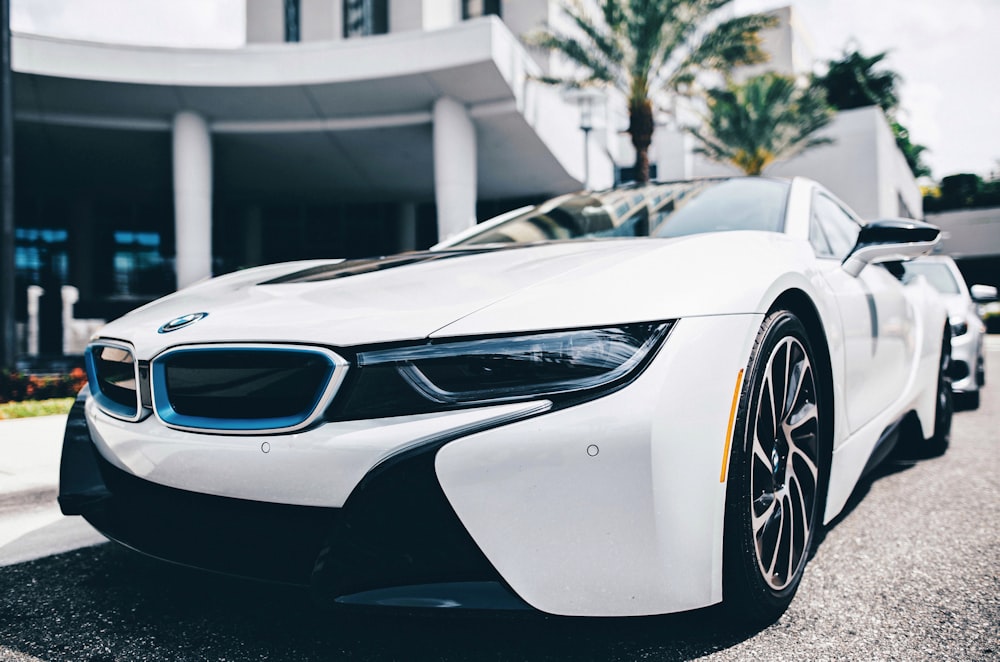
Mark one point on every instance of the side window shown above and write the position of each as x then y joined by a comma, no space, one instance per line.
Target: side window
476,8
840,229
365,17
820,244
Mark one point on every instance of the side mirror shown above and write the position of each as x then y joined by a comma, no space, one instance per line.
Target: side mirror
983,293
890,240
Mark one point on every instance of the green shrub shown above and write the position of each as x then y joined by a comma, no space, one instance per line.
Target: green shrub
30,408
19,387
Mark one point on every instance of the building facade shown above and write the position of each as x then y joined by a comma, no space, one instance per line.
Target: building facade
341,128
972,238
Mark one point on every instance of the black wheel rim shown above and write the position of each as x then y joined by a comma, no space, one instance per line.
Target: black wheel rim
784,468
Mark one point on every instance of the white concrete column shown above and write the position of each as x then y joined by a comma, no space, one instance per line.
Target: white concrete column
454,167
192,198
35,293
439,14
70,295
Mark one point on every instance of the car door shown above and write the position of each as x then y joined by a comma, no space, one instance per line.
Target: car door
876,321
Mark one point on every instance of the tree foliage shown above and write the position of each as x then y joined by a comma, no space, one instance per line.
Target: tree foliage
643,48
911,150
856,81
963,191
766,119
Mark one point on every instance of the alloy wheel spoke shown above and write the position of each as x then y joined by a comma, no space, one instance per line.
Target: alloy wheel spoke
779,516
790,521
760,454
802,510
758,521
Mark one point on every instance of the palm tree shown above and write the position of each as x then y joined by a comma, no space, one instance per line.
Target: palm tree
763,120
644,48
853,82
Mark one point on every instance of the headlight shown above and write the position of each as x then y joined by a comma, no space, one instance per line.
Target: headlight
959,327
561,365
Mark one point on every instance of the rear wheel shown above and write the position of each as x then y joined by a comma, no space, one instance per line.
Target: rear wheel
776,474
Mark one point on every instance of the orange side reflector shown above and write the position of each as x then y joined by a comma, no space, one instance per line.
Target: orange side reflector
729,428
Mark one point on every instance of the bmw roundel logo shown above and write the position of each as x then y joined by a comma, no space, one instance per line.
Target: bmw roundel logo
181,322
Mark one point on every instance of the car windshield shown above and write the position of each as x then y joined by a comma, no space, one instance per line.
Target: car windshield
662,210
937,274
721,206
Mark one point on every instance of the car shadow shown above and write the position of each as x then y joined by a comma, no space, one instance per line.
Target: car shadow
106,603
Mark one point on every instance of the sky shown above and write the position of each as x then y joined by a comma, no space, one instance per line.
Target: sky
946,51
948,55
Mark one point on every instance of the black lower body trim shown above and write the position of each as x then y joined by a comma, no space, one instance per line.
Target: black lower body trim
396,533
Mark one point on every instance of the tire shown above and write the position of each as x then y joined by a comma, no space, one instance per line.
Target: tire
944,407
777,476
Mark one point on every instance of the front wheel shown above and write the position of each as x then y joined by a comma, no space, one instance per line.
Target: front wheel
776,473
944,402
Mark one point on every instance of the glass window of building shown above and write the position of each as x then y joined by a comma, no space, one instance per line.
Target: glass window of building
365,17
292,20
138,266
476,8
41,256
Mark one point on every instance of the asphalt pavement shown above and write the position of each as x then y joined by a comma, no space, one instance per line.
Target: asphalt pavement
910,571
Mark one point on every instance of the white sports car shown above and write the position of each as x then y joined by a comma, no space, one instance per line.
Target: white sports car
606,427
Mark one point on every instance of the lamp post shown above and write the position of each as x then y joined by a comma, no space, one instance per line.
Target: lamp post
586,125
586,100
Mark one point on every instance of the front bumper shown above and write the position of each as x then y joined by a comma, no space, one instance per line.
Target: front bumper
966,351
612,507
395,542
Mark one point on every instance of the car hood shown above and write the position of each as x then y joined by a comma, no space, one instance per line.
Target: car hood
465,292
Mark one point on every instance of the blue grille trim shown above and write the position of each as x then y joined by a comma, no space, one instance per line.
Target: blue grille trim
105,403
337,366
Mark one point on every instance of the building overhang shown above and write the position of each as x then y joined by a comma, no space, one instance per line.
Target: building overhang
350,118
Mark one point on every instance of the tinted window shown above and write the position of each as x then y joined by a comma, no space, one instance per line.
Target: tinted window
937,274
571,217
838,227
721,206
661,210
817,237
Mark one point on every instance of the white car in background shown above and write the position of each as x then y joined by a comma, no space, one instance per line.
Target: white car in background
967,368
591,424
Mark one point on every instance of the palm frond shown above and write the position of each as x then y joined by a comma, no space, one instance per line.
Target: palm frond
732,43
767,118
